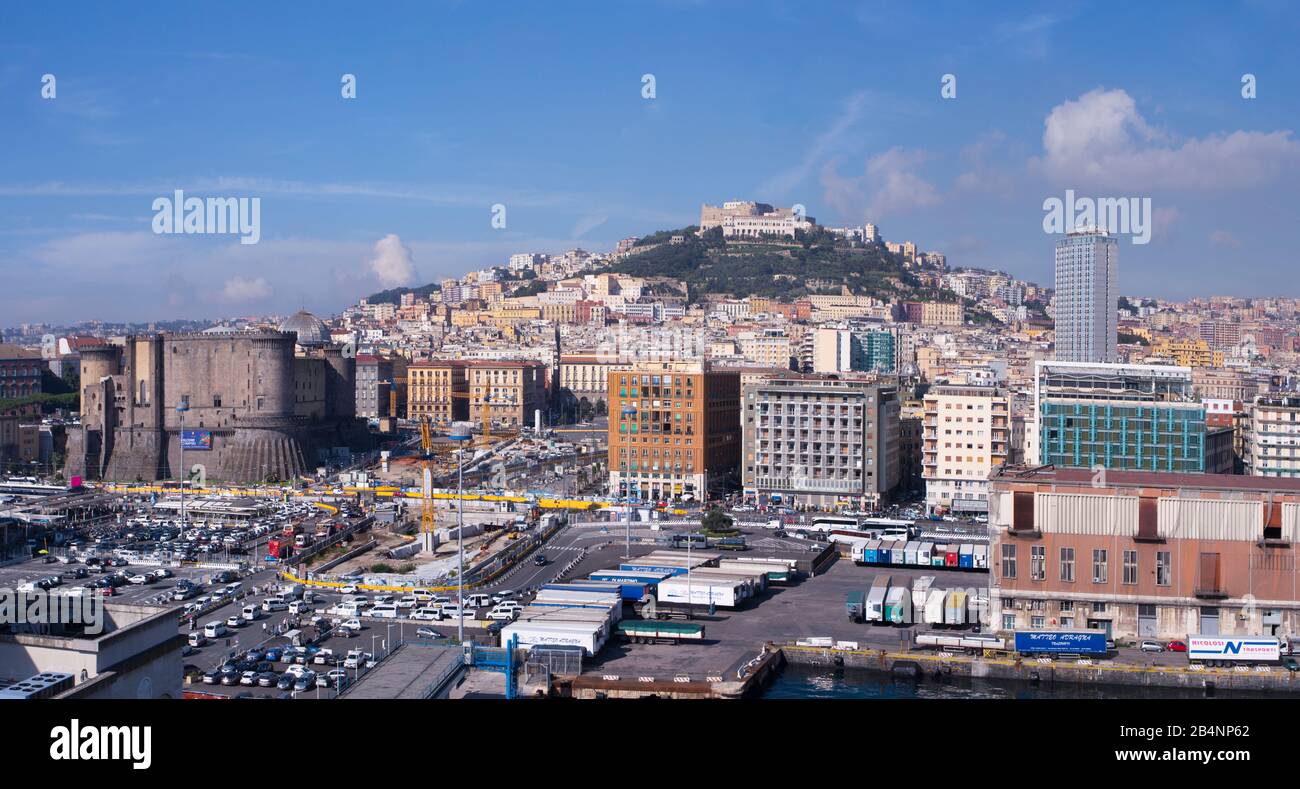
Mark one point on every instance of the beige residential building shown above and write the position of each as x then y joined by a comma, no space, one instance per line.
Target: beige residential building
513,390
430,387
1271,436
967,432
769,348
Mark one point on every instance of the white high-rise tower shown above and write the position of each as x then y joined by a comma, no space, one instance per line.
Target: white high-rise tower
1086,298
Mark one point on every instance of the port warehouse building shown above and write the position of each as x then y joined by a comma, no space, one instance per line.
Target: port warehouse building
1143,554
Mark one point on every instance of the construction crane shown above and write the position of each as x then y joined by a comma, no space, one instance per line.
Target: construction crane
427,526
487,412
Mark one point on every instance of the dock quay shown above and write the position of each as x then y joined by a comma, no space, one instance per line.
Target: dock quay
1003,666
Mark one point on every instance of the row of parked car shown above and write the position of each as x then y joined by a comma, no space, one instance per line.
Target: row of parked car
423,605
257,667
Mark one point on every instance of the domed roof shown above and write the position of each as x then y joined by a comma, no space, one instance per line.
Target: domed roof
309,329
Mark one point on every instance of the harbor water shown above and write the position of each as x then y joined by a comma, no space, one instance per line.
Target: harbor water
823,682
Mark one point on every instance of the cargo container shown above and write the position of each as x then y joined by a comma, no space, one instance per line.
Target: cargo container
924,554
920,593
1060,642
544,613
621,576
977,608
655,567
938,555
981,556
952,556
1224,650
754,579
646,632
775,570
876,598
897,553
934,603
855,605
530,634
560,600
719,592
584,586
968,641
897,604
856,552
909,553
954,608
966,556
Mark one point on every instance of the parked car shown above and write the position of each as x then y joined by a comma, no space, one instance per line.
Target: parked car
1176,646
1151,646
305,682
427,632
1290,664
286,681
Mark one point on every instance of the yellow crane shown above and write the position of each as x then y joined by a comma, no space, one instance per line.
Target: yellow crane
486,412
427,525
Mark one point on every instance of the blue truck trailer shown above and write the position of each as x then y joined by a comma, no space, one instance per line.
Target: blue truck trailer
1061,642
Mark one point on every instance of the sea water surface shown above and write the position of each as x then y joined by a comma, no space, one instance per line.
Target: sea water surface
824,682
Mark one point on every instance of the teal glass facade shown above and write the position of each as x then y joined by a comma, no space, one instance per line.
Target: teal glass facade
1151,437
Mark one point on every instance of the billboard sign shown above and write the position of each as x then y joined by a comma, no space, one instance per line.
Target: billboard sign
1090,642
196,439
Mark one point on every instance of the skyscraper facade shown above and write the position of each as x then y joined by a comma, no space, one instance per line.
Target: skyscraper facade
1086,296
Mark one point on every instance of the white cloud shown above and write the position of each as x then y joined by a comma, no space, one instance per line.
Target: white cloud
391,262
241,289
820,147
1101,140
888,187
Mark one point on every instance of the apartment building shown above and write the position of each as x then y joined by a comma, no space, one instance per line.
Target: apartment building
512,390
587,374
1188,353
430,387
767,348
1143,554
1271,436
674,429
967,432
820,440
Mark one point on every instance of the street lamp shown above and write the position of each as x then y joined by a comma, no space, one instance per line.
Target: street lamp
181,408
462,432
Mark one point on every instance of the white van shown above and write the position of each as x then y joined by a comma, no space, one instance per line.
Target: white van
251,613
215,630
299,607
477,600
383,611
274,604
197,640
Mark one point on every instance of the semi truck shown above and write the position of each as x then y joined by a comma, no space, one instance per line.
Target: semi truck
1233,650
649,632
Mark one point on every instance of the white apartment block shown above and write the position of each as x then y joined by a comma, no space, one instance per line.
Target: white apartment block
967,431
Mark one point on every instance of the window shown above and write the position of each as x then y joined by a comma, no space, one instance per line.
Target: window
1130,567
1008,561
1067,565
1036,622
1066,606
1162,568
1100,568
1038,562
1008,621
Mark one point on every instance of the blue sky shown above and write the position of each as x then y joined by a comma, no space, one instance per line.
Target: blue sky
539,107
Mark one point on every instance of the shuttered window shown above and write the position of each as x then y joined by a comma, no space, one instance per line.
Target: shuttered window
1022,514
1147,518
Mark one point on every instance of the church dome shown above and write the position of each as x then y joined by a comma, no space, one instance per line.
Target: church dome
309,329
